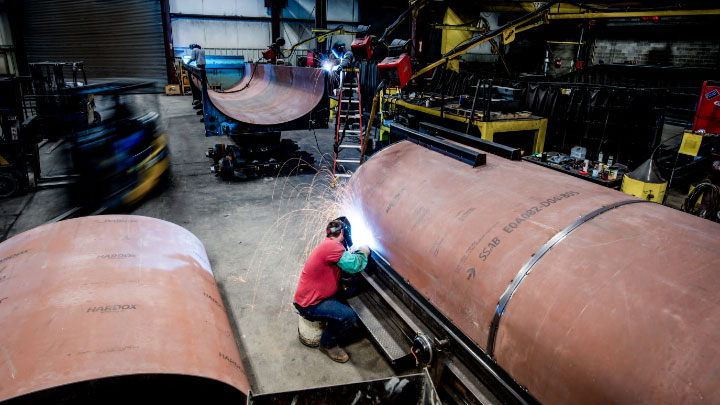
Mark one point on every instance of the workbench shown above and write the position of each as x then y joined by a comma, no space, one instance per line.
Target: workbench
487,129
615,183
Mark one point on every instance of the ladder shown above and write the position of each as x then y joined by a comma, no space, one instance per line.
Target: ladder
349,128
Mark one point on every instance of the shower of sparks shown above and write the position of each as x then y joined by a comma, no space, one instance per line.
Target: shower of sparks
302,217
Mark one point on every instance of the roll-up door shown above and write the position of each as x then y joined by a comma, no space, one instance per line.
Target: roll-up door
115,39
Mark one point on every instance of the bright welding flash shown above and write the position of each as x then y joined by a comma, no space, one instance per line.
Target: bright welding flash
327,66
360,231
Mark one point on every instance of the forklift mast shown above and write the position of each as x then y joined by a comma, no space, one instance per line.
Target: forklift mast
18,149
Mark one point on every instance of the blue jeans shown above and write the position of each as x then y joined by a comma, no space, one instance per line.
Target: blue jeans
338,317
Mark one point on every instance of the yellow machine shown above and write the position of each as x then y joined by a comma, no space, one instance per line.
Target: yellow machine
184,80
513,123
150,171
384,128
645,182
172,89
333,108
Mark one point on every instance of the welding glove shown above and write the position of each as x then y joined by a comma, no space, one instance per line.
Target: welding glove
365,250
352,263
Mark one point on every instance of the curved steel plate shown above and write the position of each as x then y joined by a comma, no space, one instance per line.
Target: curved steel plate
624,309
274,94
109,296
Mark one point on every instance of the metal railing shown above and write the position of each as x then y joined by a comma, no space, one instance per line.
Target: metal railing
250,54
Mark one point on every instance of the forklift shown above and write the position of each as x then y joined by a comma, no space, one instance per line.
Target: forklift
43,105
117,158
19,159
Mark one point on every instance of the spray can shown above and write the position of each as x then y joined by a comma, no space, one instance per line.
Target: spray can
586,165
600,157
610,160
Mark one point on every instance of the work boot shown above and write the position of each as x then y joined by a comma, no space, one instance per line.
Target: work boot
336,353
196,102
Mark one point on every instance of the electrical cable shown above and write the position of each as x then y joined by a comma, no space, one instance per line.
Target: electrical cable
498,31
705,191
293,47
340,29
401,18
252,75
317,143
312,12
540,12
664,142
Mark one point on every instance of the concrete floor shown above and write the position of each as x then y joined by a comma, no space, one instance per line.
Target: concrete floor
257,234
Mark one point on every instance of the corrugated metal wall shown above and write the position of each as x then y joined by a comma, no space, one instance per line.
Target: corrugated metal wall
240,33
113,38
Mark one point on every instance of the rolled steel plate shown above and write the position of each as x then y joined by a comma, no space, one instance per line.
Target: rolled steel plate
623,309
271,94
96,298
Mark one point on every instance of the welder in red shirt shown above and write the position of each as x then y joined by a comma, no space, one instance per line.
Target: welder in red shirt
318,284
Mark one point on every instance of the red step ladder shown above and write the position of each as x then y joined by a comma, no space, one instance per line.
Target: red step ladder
348,138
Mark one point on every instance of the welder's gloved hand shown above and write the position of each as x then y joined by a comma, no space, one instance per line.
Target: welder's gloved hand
365,250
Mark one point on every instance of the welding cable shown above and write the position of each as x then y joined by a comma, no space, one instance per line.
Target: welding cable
401,18
414,355
292,48
470,42
703,191
664,142
340,29
317,144
252,74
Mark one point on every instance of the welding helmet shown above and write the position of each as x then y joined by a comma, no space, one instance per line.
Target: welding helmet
347,238
338,49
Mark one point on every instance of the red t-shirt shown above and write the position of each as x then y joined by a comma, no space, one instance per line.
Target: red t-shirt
320,276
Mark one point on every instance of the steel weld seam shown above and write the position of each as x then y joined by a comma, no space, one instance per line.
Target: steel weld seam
525,270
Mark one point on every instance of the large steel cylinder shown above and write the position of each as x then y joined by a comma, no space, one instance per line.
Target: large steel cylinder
578,295
106,308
